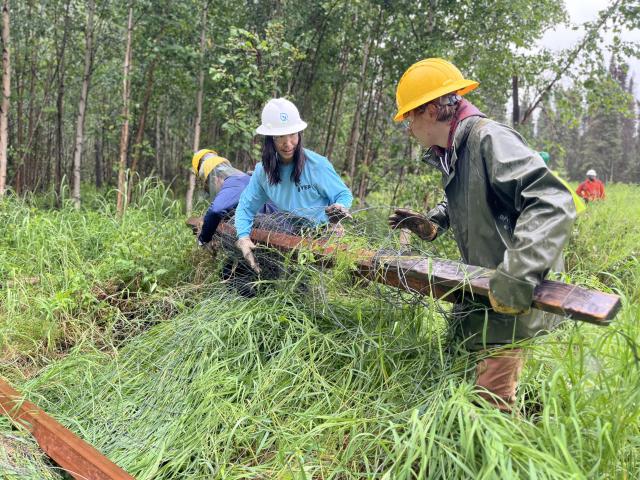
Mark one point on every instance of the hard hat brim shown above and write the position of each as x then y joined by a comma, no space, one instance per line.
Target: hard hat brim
286,130
461,87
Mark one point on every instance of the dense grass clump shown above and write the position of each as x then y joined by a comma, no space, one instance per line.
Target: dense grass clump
70,276
316,377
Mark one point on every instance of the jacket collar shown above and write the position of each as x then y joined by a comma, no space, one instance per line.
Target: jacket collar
437,156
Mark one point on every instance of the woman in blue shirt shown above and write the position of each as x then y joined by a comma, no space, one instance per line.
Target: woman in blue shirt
293,178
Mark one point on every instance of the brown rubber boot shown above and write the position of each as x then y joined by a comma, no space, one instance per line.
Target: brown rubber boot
497,377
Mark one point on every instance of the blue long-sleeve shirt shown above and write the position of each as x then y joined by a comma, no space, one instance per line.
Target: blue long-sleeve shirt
224,202
319,187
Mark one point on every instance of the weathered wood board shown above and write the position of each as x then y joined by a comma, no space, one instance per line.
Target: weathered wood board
74,455
442,278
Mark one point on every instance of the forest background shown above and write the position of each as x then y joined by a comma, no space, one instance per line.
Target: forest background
110,92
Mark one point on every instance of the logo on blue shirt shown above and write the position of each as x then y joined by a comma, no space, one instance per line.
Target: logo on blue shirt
304,187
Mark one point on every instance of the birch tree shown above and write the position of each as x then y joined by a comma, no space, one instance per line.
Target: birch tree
82,103
6,91
124,135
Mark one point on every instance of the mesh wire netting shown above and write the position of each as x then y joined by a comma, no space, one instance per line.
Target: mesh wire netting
365,236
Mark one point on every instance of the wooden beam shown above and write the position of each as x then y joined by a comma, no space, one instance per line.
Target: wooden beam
74,455
447,279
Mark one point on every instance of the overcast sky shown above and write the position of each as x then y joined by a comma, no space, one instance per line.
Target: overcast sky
585,10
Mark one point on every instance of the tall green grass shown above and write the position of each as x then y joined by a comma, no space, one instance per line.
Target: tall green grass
317,378
97,276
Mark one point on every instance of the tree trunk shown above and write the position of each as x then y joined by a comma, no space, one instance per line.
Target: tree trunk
60,106
6,92
332,140
82,103
159,167
137,143
337,99
168,148
352,144
124,136
196,134
515,120
397,187
373,115
98,151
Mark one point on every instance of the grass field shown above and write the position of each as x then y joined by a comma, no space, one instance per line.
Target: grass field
129,339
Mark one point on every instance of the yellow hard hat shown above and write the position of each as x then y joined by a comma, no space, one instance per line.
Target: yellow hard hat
195,161
210,164
427,80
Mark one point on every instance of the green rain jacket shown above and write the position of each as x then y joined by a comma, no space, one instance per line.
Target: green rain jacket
507,212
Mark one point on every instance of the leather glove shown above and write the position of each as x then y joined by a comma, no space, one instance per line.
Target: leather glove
337,213
500,307
414,221
195,223
209,246
246,246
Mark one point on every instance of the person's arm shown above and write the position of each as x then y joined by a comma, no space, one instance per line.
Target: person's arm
602,190
519,178
439,215
333,187
580,190
211,221
225,201
251,200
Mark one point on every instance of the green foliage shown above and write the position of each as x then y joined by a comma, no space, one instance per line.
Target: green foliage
594,127
251,69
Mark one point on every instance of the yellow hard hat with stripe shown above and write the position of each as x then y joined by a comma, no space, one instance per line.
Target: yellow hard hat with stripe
204,161
427,80
195,161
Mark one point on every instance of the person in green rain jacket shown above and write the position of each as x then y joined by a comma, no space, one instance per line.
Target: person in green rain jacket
506,209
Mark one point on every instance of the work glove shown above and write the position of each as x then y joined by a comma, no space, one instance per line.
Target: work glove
246,246
337,213
414,221
500,307
196,225
209,246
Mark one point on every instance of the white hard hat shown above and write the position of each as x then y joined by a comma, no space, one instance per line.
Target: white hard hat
591,173
280,117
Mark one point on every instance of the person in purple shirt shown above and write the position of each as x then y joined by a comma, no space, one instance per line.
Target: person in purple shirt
226,184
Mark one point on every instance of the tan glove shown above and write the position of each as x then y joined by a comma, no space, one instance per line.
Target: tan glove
246,246
337,213
211,247
500,307
414,221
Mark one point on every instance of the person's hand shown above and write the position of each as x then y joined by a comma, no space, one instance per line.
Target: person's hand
246,246
195,223
337,213
414,221
209,246
500,307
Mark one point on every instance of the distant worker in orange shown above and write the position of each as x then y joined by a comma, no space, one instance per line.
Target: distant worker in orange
592,188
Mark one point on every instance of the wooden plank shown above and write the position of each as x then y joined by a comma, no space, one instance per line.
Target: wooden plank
442,278
571,301
74,455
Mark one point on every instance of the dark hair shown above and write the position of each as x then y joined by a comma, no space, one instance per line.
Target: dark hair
271,160
445,111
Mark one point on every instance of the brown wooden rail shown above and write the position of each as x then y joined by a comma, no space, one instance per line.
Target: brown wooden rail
447,279
74,455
